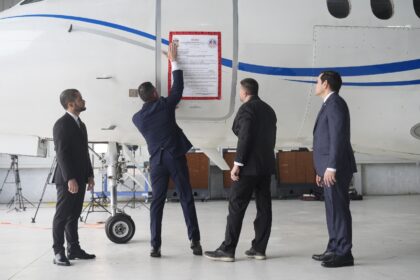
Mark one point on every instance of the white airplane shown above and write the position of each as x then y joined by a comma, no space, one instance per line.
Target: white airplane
104,48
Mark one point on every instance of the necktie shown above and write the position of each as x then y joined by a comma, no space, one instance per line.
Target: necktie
78,122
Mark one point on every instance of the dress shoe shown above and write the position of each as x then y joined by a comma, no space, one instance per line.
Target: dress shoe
220,255
155,253
252,253
339,261
323,257
61,259
196,248
80,254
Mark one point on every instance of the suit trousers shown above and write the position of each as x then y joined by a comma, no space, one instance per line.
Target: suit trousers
161,169
68,209
240,196
339,221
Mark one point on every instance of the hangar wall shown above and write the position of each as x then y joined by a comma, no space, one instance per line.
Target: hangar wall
390,179
372,179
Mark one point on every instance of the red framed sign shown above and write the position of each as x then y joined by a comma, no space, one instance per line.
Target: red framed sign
200,58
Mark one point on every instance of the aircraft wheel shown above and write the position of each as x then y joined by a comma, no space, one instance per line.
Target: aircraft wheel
120,228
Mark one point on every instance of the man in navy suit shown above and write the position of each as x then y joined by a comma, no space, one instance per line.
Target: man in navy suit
167,146
334,165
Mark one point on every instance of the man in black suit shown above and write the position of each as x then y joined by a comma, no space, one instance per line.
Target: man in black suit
334,165
255,126
73,172
167,146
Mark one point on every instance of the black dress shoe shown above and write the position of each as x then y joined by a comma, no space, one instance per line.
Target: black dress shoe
80,254
251,253
196,248
61,259
339,261
155,253
220,255
323,257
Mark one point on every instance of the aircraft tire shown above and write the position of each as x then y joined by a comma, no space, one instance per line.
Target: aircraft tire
120,228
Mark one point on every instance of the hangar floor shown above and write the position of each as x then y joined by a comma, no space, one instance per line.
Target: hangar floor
386,244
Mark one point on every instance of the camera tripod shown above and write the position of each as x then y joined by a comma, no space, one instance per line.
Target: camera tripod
18,200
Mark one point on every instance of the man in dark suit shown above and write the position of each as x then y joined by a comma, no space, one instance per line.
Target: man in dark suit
167,146
255,126
334,165
73,172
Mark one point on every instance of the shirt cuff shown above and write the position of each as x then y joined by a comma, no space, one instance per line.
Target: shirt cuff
238,163
174,66
331,169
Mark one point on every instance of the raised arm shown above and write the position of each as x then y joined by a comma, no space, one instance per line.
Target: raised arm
177,88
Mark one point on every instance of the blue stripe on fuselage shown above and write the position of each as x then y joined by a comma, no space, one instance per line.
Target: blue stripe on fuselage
365,70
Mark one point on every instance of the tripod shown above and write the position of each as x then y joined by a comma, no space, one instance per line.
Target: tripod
96,202
18,200
53,165
131,202
102,200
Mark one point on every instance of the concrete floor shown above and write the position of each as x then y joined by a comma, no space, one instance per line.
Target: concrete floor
386,244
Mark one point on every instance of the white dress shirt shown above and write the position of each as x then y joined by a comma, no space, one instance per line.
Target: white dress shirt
326,97
174,66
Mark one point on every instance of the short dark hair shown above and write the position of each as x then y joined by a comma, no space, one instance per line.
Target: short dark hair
250,85
67,96
146,91
333,79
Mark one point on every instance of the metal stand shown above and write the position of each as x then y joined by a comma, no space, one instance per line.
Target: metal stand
100,202
18,200
47,182
131,203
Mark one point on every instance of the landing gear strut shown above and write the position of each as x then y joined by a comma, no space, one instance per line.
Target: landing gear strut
119,228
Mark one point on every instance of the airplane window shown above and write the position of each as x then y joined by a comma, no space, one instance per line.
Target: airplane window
30,1
339,8
416,4
383,9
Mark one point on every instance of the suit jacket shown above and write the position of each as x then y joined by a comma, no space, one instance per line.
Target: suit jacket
71,147
255,126
156,122
332,148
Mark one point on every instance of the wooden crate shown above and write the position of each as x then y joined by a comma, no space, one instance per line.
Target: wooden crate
295,167
198,167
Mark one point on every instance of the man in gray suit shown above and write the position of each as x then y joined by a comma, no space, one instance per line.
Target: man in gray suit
334,165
